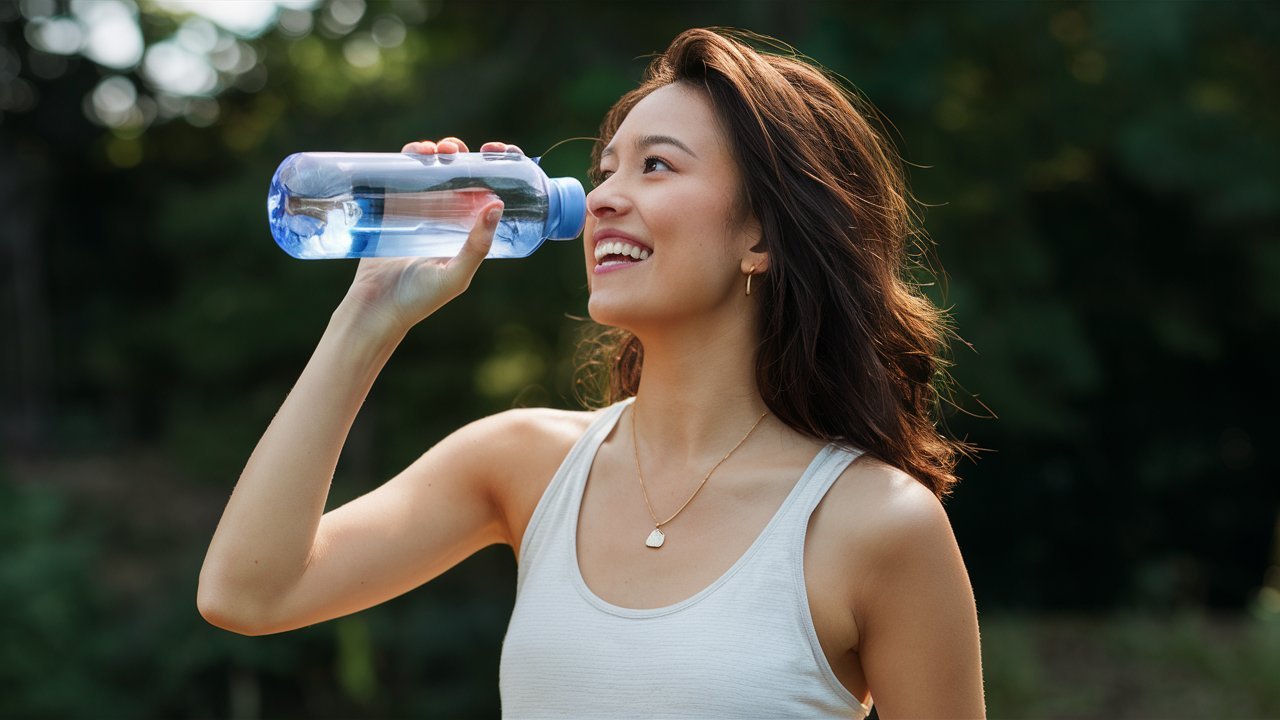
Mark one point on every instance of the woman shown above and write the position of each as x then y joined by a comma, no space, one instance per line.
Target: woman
753,527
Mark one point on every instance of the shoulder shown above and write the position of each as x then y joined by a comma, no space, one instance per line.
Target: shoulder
883,508
528,428
894,501
888,535
518,452
910,599
529,438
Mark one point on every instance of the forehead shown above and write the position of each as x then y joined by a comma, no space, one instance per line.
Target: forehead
675,110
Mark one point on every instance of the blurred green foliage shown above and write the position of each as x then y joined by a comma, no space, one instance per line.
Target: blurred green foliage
1099,179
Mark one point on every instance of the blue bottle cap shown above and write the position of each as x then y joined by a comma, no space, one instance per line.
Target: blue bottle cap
566,209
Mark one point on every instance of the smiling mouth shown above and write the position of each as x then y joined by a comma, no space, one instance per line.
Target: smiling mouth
619,252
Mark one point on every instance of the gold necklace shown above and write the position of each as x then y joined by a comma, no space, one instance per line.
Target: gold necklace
657,537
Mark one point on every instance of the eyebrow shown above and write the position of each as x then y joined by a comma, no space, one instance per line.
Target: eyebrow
645,141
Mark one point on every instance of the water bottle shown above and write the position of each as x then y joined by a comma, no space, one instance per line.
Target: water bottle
326,205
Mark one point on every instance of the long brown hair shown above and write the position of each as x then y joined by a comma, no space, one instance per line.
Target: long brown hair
850,350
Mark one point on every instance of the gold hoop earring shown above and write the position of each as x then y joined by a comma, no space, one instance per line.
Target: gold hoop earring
750,272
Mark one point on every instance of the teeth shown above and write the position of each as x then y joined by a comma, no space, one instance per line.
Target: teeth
621,248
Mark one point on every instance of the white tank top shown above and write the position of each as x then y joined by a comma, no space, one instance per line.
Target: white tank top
743,647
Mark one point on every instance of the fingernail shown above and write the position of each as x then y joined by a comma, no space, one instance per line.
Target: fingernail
492,218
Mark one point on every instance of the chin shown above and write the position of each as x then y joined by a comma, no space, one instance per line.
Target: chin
612,312
628,309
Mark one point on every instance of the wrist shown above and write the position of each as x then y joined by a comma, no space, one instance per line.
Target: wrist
366,326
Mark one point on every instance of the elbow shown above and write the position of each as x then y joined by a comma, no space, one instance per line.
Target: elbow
227,610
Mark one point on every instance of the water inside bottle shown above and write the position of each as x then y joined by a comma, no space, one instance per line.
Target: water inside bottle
315,216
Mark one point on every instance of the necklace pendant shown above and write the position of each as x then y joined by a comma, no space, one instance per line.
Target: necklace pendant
655,539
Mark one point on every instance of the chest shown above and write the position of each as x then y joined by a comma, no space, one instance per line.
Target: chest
733,515
701,543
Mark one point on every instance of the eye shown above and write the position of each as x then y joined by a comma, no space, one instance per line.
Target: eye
651,164
651,161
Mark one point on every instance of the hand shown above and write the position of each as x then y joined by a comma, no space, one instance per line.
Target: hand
394,294
453,144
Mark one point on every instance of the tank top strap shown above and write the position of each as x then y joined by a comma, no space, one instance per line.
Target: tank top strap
562,493
822,473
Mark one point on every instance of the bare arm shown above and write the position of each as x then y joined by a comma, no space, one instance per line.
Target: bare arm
265,538
920,647
263,570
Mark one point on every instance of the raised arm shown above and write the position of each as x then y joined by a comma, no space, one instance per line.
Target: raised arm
271,564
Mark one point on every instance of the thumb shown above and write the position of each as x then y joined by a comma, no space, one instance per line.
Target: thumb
474,250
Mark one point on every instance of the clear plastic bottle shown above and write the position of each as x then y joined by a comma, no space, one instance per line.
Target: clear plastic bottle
352,205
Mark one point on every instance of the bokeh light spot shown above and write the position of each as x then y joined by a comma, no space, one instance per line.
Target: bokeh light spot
172,68
388,31
197,35
246,19
341,16
347,12
17,95
37,9
61,36
114,38
361,53
114,96
295,23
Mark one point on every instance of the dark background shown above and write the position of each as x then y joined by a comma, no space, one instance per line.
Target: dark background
1099,179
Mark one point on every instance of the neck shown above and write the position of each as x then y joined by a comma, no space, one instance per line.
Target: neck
698,394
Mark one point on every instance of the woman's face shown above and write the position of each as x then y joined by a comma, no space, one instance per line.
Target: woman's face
666,236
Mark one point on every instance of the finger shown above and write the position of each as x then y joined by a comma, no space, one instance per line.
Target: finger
452,142
474,250
501,147
421,147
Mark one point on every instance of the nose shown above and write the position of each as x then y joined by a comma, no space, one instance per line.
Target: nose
606,199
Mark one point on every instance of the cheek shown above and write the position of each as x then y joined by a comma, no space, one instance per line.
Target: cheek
588,252
703,225
588,231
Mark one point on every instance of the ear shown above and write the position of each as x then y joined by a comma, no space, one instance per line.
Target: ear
755,263
753,252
